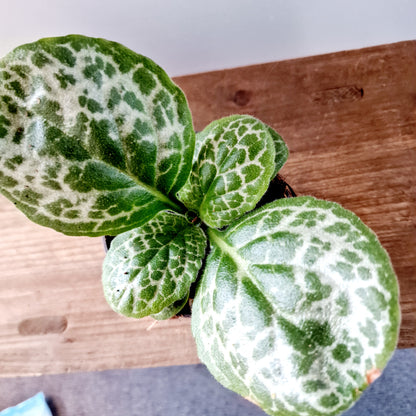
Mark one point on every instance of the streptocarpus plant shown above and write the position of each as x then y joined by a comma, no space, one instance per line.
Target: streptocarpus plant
296,306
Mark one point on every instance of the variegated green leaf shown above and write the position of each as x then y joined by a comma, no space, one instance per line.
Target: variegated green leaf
298,305
232,171
282,152
171,310
94,138
281,149
149,268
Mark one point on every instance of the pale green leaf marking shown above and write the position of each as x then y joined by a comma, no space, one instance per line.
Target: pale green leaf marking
149,270
112,120
295,330
232,170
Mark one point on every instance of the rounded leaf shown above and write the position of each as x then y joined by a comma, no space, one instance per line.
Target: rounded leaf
297,308
94,138
232,170
150,269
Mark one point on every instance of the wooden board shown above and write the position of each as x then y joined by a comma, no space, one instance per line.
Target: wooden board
349,119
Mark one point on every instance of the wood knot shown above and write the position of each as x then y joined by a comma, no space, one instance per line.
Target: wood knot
242,97
338,95
43,325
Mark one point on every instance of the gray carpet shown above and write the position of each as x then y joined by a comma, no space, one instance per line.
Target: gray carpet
190,390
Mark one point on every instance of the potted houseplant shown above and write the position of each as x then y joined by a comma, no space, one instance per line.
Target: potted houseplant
296,306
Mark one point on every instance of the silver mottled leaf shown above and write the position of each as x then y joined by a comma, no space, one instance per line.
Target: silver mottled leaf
149,269
232,170
297,308
94,138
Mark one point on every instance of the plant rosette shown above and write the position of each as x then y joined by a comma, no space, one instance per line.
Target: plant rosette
296,306
278,188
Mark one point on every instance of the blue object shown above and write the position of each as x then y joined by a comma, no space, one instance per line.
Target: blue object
35,406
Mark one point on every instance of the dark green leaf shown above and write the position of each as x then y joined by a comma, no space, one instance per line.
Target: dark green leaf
103,136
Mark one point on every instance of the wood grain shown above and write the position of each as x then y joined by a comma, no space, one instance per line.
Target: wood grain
349,119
